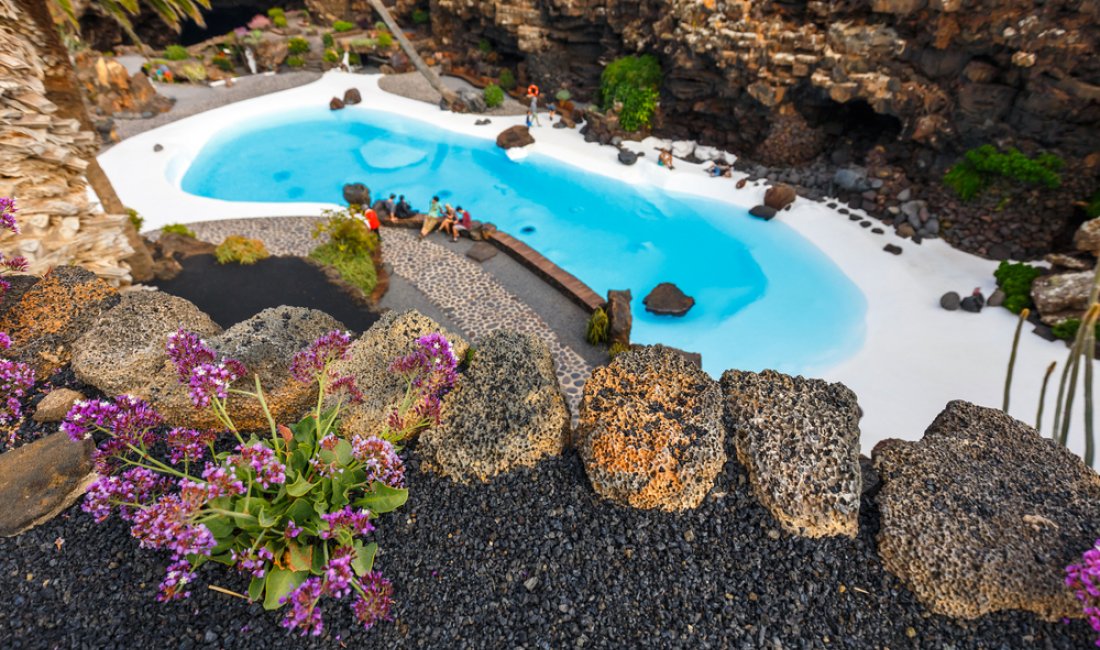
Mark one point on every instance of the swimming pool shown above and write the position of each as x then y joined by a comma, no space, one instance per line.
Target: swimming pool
765,296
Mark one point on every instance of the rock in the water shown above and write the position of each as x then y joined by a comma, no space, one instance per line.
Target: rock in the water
619,319
392,336
335,104
352,97
763,212
950,301
1061,296
799,440
515,136
983,514
52,314
126,344
481,251
265,344
56,404
356,194
627,157
650,432
506,412
1087,237
40,479
666,298
779,196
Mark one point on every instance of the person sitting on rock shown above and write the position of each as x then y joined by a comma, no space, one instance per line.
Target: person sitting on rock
664,159
390,206
431,220
461,222
403,209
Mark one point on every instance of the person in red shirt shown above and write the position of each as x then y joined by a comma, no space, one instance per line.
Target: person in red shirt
461,221
372,220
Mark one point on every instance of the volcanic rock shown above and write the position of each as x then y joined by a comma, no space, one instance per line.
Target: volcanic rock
356,194
763,212
515,136
352,97
40,479
666,298
779,196
1061,296
1087,237
619,318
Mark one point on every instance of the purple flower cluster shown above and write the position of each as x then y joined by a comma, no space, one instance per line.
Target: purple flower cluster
187,445
167,524
128,420
355,522
186,350
380,460
338,574
136,485
221,481
253,561
175,582
195,366
308,364
15,379
431,365
304,614
1084,579
7,214
262,462
375,602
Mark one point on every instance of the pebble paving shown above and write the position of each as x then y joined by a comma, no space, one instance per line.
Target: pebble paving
476,301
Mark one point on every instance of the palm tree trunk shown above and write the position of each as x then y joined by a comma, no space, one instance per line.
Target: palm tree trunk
429,74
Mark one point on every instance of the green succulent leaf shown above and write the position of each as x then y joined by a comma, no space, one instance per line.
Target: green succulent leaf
364,558
383,499
281,582
300,487
256,588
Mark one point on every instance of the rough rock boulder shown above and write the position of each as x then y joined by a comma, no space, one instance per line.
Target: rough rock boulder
650,432
983,514
507,412
779,196
1087,237
369,358
126,344
799,440
52,314
515,136
1063,295
667,299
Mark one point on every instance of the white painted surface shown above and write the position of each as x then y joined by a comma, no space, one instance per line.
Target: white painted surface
916,356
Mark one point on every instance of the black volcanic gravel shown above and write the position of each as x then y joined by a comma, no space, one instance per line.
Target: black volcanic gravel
533,560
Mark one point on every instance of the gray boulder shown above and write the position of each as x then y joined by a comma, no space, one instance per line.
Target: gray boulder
1087,237
507,412
650,432
126,343
799,441
852,179
983,514
763,212
627,157
1061,296
950,301
473,101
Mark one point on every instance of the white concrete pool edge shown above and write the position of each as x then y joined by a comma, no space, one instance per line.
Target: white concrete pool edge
915,358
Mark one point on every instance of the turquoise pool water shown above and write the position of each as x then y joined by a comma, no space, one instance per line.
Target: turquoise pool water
765,296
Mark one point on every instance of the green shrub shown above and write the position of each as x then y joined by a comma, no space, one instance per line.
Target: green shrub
327,40
494,96
1067,329
380,27
616,349
275,12
363,43
563,95
484,46
279,21
223,63
341,26
331,56
420,17
240,249
981,166
354,58
347,232
176,53
385,40
356,269
634,82
1015,280
297,45
194,71
507,80
597,327
136,219
177,229
295,61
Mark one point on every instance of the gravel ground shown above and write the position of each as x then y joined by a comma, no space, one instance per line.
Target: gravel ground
533,560
414,86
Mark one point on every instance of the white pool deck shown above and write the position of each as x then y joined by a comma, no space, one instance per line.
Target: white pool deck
916,356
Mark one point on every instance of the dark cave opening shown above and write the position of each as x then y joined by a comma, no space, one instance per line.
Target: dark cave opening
854,124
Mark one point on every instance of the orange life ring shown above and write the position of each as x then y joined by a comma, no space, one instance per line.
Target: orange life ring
533,90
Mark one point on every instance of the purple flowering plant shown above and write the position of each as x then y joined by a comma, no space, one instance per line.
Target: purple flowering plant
1084,579
15,377
290,508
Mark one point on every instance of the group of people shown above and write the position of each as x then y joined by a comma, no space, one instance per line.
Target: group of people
533,107
448,219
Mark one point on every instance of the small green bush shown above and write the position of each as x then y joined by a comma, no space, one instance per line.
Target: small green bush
420,17
1067,329
363,43
563,95
176,53
597,331
380,26
385,40
331,56
634,82
177,229
279,21
136,219
275,12
494,96
354,58
295,61
616,349
1015,280
356,269
341,26
194,71
347,232
507,80
240,249
981,166
223,63
484,46
297,45
327,40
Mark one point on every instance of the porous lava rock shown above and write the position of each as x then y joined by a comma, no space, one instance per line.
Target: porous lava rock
368,360
356,194
667,299
40,479
18,285
1087,237
265,344
983,514
619,319
352,97
515,136
1061,296
799,441
779,196
506,412
56,404
52,314
650,432
126,343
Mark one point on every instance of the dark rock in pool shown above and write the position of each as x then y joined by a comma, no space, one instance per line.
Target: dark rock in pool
335,104
627,157
352,96
356,194
515,136
950,301
667,299
763,212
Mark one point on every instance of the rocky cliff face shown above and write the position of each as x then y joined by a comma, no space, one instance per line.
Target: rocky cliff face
942,74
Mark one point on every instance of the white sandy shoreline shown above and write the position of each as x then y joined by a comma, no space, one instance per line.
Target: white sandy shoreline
915,358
